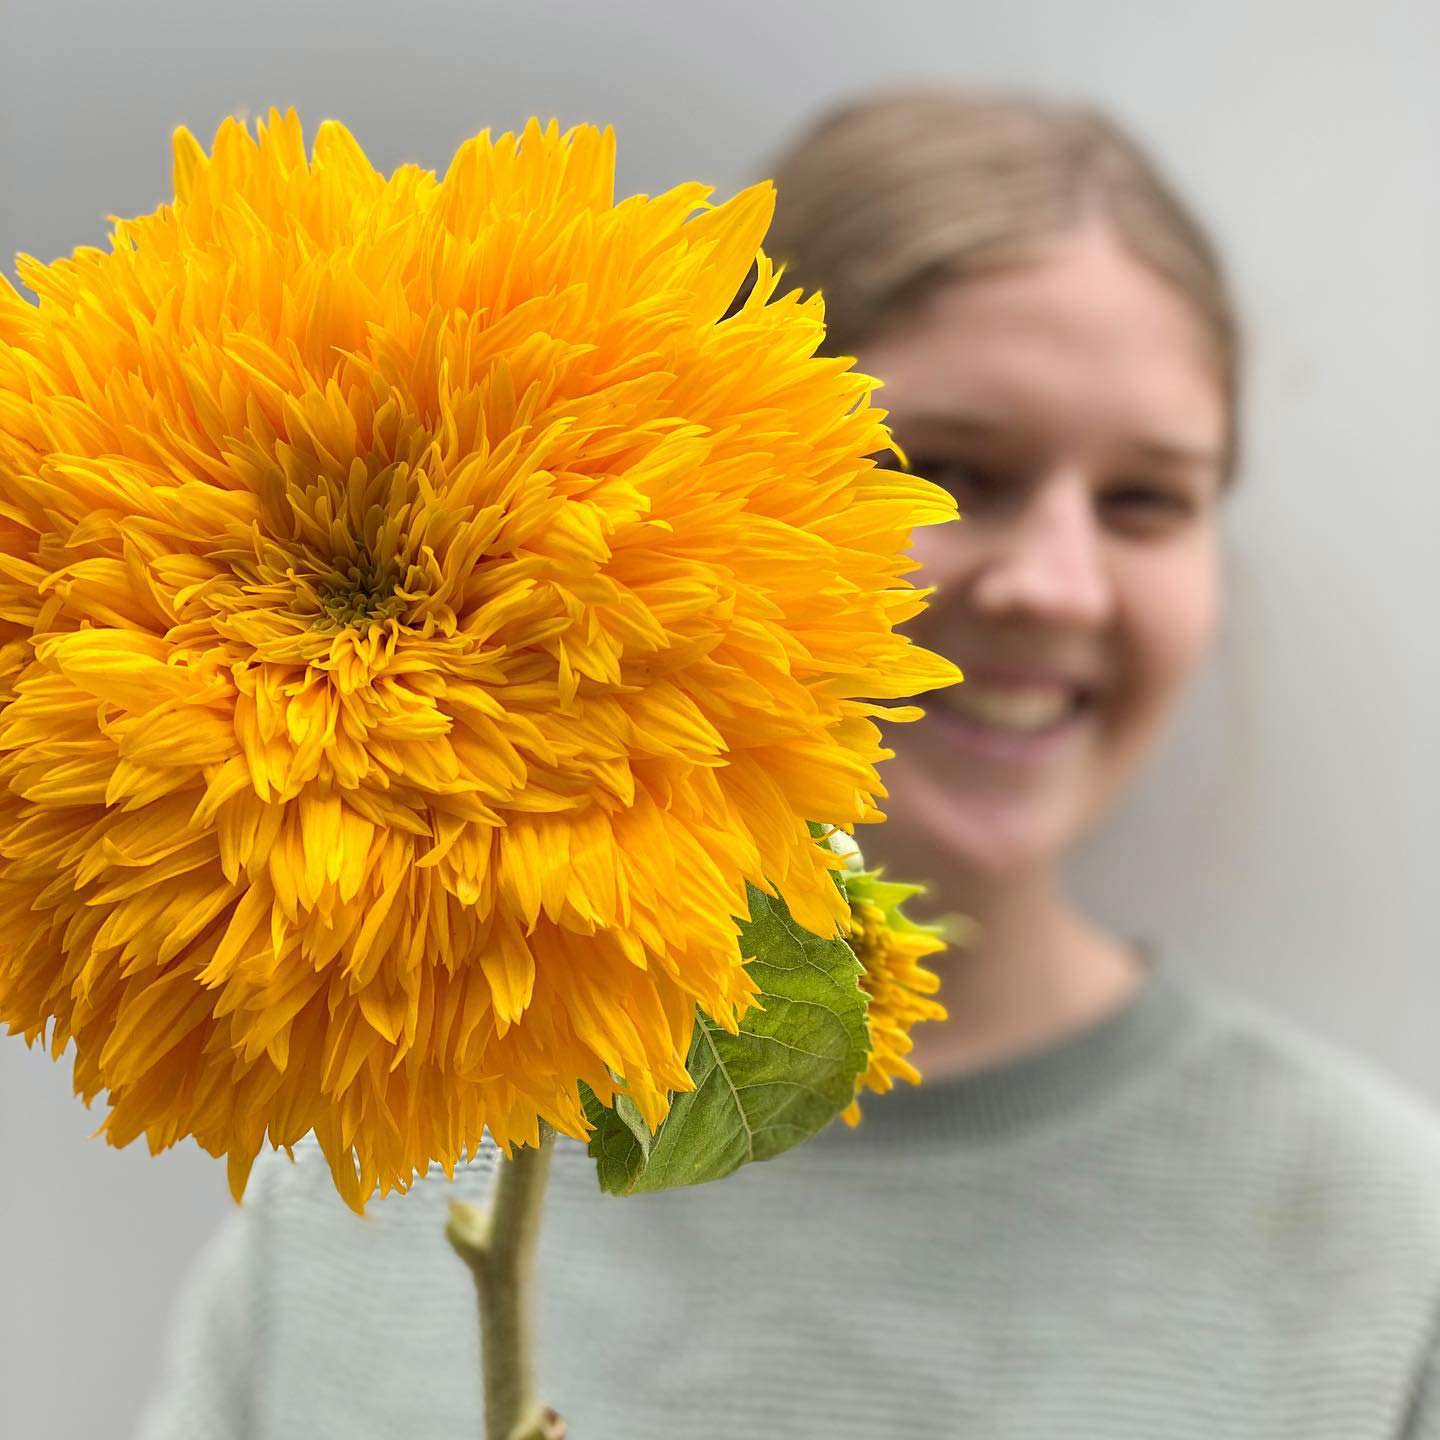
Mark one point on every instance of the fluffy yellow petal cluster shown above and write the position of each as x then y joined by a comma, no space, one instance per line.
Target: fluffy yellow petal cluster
890,948
421,613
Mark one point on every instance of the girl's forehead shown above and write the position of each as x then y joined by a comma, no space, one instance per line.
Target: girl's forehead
1085,337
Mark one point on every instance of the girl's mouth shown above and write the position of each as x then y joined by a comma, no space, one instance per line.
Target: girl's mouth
1021,721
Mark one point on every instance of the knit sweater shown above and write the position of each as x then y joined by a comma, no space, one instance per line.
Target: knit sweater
1190,1220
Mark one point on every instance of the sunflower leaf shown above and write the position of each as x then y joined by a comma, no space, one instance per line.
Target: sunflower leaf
784,1077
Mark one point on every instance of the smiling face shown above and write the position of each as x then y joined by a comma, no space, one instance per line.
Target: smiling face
1071,403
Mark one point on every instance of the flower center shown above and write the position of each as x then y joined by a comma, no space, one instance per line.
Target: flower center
357,593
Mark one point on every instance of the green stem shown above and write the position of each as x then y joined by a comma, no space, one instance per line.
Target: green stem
499,1245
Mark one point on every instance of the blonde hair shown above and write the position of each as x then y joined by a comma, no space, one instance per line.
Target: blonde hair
885,199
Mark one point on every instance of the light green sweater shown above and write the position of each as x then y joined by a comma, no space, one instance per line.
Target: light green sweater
1188,1222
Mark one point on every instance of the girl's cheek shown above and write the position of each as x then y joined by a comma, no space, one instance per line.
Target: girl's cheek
1174,614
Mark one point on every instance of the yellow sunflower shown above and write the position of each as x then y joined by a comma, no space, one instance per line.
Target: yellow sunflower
890,948
422,610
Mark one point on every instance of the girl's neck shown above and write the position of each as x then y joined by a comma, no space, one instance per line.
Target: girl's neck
1034,972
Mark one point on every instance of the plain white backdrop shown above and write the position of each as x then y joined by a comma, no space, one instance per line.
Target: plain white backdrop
1285,840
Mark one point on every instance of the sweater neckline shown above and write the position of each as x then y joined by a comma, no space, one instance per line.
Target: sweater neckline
1071,1074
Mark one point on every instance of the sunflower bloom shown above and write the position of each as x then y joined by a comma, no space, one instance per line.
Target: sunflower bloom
422,611
890,948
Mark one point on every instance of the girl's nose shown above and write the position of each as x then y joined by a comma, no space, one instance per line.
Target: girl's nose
1048,564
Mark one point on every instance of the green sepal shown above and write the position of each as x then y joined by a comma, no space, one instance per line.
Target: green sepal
864,886
784,1077
632,1122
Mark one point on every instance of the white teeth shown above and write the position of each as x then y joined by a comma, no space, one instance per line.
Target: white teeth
1021,709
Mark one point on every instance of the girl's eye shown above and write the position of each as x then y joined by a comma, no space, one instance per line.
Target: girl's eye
1145,506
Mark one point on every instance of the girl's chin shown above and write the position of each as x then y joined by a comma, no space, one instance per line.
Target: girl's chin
997,837
1000,848
997,818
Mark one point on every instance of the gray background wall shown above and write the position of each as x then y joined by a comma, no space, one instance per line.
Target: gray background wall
1284,841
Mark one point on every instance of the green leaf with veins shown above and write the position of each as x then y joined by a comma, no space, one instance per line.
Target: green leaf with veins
784,1077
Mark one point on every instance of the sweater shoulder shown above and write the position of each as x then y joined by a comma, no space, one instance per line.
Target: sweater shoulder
1315,1113
1353,1097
